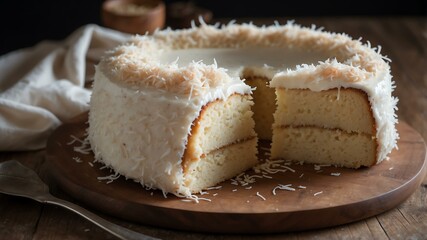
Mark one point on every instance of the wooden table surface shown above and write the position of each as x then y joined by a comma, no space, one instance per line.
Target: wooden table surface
403,39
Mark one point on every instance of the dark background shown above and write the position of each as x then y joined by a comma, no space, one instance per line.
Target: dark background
25,23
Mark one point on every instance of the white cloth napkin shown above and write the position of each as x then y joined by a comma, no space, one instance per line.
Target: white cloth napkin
43,86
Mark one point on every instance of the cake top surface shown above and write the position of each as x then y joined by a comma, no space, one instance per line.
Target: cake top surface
193,61
264,60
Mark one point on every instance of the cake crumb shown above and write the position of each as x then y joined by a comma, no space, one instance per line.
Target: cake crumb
319,166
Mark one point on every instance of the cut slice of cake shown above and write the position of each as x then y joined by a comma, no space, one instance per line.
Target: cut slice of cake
221,143
171,138
334,113
333,126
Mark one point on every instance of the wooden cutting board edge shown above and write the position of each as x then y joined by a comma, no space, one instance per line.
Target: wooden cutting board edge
223,222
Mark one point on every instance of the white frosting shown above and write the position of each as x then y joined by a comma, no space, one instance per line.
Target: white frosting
265,61
143,134
148,92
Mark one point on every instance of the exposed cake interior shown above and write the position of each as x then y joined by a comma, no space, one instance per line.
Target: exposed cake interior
256,66
222,135
333,126
265,106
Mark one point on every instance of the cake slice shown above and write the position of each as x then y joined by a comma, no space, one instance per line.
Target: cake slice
167,127
222,143
333,126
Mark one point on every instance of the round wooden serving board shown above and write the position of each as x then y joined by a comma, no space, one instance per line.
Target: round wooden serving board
319,200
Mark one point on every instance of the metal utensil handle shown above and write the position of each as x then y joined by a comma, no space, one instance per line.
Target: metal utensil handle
116,230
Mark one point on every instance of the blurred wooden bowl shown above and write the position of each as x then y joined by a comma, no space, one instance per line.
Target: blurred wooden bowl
181,14
134,16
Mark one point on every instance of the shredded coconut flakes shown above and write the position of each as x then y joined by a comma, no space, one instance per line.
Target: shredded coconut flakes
318,193
286,187
259,195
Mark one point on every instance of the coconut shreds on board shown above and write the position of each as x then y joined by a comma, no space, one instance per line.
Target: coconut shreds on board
318,193
77,159
288,168
286,187
83,148
317,167
103,167
214,188
261,196
270,167
74,139
336,174
194,198
109,178
244,179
